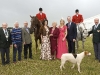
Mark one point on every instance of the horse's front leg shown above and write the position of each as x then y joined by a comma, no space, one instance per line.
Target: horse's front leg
76,44
36,46
83,44
40,43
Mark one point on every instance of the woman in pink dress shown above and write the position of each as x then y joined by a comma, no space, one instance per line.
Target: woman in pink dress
62,45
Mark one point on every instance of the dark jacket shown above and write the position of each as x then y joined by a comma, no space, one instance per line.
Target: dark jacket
3,41
96,34
72,31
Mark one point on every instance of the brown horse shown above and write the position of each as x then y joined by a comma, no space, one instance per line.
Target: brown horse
35,27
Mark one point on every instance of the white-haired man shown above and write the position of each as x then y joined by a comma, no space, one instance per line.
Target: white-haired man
17,41
96,38
5,42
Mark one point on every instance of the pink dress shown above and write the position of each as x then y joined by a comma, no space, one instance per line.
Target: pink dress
62,45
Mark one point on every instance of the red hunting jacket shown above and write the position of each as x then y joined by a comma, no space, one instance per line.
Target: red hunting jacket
41,17
77,19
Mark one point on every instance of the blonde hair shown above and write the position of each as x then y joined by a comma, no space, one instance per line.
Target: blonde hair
63,21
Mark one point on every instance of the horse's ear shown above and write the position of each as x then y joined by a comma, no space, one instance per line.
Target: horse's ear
31,16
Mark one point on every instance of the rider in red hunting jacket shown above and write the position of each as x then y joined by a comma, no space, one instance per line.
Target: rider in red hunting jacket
77,18
41,16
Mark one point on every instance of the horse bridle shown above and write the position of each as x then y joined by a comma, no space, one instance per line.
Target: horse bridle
84,30
85,33
81,32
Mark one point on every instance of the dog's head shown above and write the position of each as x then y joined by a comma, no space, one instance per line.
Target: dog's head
87,53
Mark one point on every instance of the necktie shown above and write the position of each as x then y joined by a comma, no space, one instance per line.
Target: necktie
27,30
40,13
5,32
69,25
95,26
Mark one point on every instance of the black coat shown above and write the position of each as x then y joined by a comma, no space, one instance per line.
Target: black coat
96,34
3,41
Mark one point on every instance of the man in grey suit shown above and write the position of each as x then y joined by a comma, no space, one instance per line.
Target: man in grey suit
96,38
27,41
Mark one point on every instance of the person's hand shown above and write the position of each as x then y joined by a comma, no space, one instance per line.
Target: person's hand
10,45
77,23
51,35
74,40
88,34
41,40
24,43
63,39
15,45
98,30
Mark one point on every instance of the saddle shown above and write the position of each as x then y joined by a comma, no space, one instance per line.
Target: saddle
75,55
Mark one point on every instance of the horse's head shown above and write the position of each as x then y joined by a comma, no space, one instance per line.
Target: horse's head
85,33
35,23
81,29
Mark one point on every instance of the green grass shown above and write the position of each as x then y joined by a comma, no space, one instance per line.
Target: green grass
89,65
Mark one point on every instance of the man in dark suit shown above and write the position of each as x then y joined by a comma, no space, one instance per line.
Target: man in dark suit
71,36
27,41
96,38
5,42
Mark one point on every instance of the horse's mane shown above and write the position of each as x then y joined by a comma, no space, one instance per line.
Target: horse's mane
35,22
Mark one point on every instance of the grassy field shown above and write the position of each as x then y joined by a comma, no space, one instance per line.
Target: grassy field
89,65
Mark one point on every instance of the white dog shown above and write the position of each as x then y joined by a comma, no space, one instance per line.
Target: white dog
75,59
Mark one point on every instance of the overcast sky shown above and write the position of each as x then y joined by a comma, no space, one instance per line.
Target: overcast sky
19,10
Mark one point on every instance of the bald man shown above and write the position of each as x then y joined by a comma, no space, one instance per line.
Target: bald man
16,36
71,36
5,42
96,38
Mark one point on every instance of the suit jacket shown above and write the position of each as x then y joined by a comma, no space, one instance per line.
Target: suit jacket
3,41
72,31
96,34
26,36
77,19
41,17
55,33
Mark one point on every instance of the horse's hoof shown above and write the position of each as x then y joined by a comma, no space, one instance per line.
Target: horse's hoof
72,67
79,72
